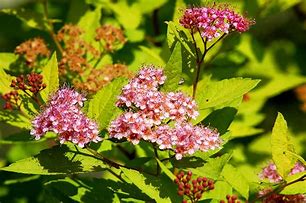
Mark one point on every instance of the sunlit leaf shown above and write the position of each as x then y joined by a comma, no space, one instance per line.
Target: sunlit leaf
102,107
236,180
142,183
280,144
50,77
64,159
221,92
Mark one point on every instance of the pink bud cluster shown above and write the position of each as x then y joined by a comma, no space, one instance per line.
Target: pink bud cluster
148,112
211,22
270,172
63,116
271,197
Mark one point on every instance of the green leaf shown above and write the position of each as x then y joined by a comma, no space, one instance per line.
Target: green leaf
220,119
6,59
213,167
142,183
224,91
5,82
280,144
29,17
89,22
148,6
220,191
165,170
298,187
50,77
20,137
175,35
63,159
173,69
236,180
129,15
158,60
102,107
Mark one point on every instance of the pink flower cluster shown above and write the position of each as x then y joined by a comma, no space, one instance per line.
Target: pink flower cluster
148,111
211,22
270,172
63,116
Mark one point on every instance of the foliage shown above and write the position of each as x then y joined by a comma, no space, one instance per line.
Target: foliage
240,82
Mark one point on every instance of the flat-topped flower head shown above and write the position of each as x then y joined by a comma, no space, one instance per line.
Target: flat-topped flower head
149,111
214,21
63,116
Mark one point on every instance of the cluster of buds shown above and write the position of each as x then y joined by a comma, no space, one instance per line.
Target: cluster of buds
270,173
111,37
63,116
77,55
32,49
32,82
149,112
212,22
230,199
75,50
300,93
270,197
99,78
192,189
11,100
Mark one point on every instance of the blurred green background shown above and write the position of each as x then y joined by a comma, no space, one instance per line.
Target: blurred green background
274,50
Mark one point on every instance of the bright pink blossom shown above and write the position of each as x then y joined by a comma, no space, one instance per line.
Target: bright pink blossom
149,111
212,22
63,116
270,172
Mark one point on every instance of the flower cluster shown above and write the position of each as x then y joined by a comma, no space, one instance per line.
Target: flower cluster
32,49
11,100
149,111
32,82
111,36
63,116
75,50
211,22
78,54
230,199
99,78
194,189
270,172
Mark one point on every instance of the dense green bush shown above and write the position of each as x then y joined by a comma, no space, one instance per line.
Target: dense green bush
174,110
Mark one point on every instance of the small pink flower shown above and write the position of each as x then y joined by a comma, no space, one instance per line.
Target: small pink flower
213,21
270,172
63,116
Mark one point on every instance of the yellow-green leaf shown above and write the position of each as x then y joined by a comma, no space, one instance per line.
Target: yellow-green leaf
280,144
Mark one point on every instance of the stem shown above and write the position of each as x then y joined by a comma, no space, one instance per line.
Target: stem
158,169
199,62
198,66
112,163
279,189
51,28
116,175
211,46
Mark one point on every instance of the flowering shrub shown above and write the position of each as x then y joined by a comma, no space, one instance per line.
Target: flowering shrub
105,101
